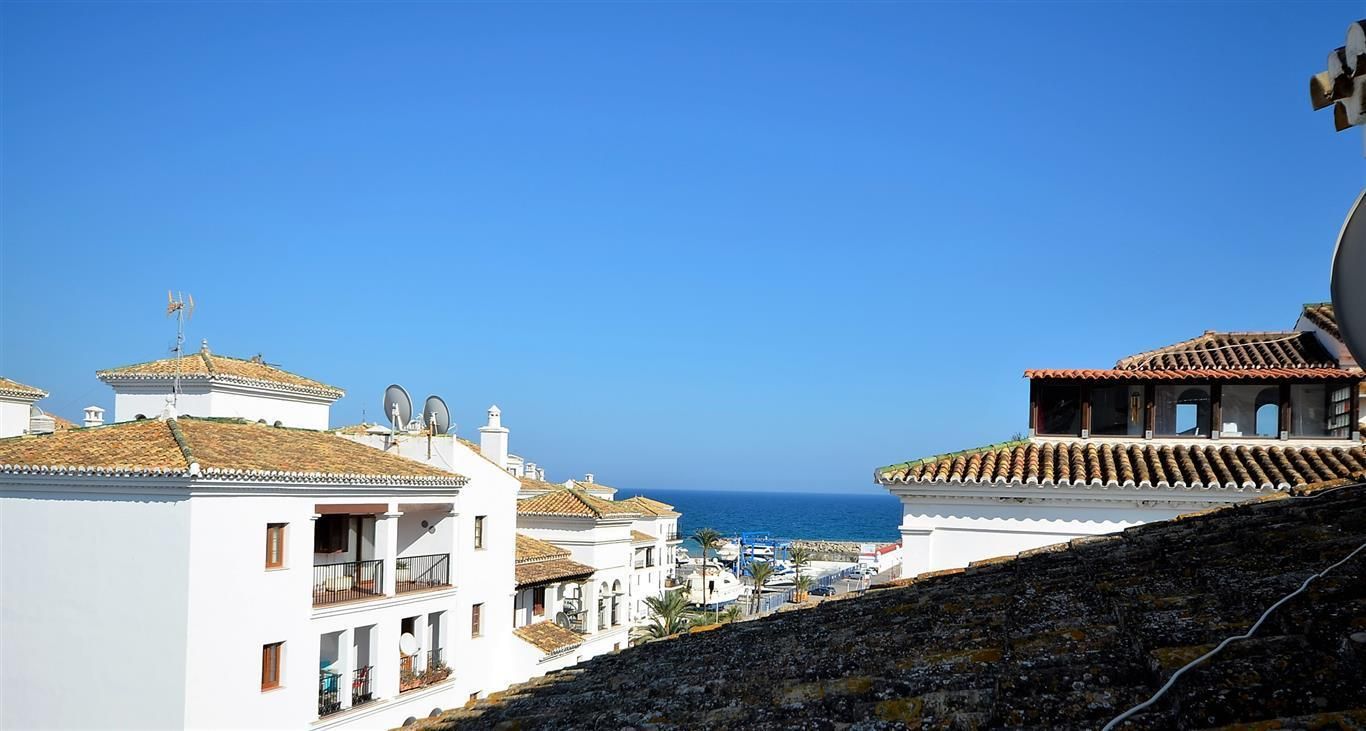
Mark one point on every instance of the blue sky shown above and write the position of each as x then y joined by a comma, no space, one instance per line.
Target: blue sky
681,245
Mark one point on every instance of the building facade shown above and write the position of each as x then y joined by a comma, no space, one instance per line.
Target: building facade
1220,418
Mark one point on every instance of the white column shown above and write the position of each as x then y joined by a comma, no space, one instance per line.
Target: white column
384,658
386,546
455,563
346,665
915,550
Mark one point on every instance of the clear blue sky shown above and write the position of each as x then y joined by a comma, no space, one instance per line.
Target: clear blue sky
681,245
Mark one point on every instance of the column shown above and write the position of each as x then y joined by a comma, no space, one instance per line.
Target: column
384,659
915,550
346,666
386,546
456,564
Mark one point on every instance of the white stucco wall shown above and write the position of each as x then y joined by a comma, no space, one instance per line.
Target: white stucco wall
95,587
14,415
942,530
214,399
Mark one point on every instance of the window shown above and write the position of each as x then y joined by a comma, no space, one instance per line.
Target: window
476,620
1308,403
479,532
616,603
538,601
1250,410
1182,410
1059,410
1117,411
275,545
602,607
330,534
270,665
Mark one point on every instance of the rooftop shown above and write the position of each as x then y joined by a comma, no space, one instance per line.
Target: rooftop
642,537
534,549
1321,314
1235,350
549,637
16,389
207,366
571,501
1066,636
222,449
646,506
541,562
1076,462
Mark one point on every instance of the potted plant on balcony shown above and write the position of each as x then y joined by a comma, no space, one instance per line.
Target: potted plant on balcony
401,571
437,672
408,678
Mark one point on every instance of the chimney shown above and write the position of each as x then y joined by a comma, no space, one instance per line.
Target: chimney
204,346
493,438
94,416
588,478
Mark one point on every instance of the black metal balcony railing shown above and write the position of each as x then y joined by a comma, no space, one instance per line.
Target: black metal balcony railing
329,693
422,669
360,686
673,536
415,573
344,582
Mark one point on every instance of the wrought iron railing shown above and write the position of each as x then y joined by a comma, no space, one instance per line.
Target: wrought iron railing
415,573
329,693
348,581
422,669
360,686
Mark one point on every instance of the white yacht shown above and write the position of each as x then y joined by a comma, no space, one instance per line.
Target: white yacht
722,587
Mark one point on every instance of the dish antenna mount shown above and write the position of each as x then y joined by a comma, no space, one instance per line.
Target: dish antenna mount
1349,281
436,417
398,407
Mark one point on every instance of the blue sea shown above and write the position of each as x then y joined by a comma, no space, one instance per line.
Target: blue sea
866,517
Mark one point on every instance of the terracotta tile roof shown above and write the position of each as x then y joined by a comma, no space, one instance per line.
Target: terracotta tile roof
532,484
356,429
572,501
1075,462
555,569
1065,636
1235,350
206,366
18,390
1191,374
59,423
640,537
646,506
1321,314
533,549
549,637
594,486
222,449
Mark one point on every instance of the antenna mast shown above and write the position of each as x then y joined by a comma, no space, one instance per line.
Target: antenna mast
182,307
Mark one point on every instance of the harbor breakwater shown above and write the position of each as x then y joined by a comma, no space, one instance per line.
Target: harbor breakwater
830,550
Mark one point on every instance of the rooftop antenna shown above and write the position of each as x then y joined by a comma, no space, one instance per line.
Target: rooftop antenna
182,308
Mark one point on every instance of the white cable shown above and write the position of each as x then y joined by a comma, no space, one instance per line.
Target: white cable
1251,631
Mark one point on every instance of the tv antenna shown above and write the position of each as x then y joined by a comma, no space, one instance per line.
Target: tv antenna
181,307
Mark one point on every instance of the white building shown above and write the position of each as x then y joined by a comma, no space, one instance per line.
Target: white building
1220,418
216,384
654,539
16,406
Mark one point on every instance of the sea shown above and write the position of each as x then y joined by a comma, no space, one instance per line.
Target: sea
863,517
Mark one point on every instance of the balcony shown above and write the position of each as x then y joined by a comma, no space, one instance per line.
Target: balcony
421,573
674,537
347,581
330,690
421,670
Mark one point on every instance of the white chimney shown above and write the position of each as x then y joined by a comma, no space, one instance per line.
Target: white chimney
588,478
493,439
94,416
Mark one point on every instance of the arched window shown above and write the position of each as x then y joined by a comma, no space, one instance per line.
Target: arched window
602,606
1250,410
616,603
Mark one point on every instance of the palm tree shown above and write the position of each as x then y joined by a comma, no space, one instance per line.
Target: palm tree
800,557
668,615
709,539
731,614
803,585
760,572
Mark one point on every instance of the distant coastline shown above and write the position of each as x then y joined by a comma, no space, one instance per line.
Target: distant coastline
863,517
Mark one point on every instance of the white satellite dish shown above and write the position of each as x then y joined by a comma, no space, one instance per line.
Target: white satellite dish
562,619
434,411
398,407
407,644
1349,281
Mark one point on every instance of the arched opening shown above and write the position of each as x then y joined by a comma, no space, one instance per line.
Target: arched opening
602,606
616,603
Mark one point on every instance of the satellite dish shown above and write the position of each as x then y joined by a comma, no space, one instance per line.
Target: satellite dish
1349,281
562,619
435,409
398,408
407,644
